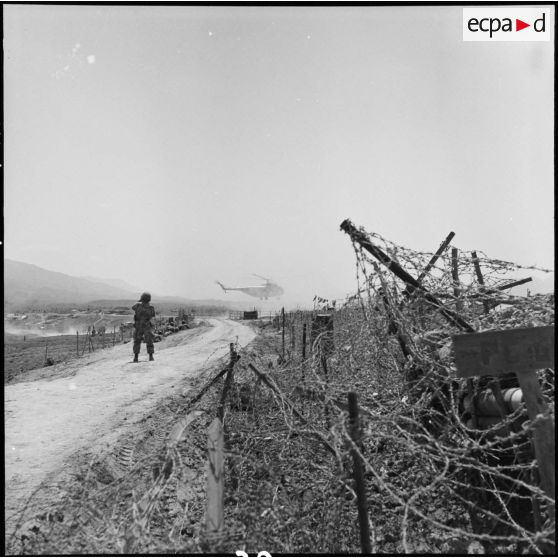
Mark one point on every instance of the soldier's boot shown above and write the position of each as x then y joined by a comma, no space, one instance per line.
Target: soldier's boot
151,356
136,357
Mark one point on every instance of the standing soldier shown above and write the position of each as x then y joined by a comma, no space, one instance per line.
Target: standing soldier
143,312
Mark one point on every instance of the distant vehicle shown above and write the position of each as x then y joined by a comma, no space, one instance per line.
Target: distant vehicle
268,289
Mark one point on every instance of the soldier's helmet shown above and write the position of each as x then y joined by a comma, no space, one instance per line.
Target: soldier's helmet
145,297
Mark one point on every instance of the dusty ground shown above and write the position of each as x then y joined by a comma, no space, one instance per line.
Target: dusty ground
92,402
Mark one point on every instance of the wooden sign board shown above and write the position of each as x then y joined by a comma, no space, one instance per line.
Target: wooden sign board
493,353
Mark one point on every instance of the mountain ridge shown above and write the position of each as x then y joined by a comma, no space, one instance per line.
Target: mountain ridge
28,285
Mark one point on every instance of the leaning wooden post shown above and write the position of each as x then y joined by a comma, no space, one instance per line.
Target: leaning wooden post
514,284
358,473
362,239
435,257
433,260
480,279
523,351
215,480
455,278
228,382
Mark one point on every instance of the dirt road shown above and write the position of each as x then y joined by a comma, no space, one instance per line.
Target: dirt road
90,402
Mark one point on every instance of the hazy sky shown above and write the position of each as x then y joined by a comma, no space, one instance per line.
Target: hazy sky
172,146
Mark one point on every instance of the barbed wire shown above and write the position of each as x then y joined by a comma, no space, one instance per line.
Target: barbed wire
421,449
403,411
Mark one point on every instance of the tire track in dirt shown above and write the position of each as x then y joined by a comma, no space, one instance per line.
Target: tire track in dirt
47,420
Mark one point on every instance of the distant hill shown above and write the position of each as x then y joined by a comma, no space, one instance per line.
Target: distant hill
28,285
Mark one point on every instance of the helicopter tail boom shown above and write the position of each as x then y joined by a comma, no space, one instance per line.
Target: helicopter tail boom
221,285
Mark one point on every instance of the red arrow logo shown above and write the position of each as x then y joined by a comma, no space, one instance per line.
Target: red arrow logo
519,25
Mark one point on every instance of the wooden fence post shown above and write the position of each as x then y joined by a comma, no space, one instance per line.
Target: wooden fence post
303,342
514,284
215,479
523,351
326,378
228,382
358,473
480,279
435,257
473,404
77,342
455,278
433,260
283,332
543,433
496,389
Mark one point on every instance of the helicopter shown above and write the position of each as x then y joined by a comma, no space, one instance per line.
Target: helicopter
269,288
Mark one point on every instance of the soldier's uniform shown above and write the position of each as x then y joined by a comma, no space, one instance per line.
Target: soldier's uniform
143,313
